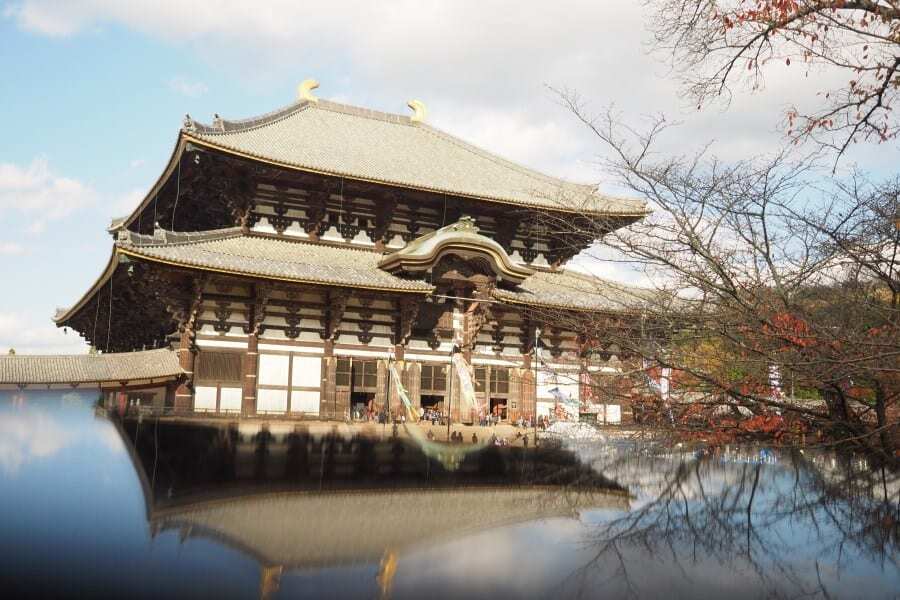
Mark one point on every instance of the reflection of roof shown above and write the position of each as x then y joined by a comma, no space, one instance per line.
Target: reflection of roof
568,289
357,143
300,530
230,251
89,368
461,238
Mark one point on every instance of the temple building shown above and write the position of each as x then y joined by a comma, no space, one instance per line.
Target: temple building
289,257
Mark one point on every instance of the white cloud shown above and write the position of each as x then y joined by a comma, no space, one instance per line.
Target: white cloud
35,189
20,332
33,431
11,249
481,67
29,435
191,89
137,163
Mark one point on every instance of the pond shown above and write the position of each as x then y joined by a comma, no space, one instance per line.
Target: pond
94,506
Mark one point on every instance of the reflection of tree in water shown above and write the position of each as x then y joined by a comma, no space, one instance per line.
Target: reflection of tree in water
793,528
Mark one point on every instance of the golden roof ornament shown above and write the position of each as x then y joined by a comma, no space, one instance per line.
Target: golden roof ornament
419,111
304,91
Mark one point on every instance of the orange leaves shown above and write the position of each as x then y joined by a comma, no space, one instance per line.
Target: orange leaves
789,327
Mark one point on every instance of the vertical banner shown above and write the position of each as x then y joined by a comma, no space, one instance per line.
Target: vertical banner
411,414
468,404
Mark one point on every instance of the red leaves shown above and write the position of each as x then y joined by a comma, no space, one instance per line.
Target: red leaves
791,328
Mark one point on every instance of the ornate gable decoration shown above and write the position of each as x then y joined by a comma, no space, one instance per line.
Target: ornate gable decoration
459,239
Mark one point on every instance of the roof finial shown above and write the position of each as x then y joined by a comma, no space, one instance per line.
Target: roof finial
419,111
304,90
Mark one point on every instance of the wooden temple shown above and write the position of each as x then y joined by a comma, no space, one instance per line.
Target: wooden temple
288,257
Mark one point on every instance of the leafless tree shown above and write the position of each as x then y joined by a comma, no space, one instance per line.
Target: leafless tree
715,44
720,508
772,293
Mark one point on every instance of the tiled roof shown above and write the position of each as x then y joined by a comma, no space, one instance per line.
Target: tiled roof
358,143
571,290
357,527
230,251
89,368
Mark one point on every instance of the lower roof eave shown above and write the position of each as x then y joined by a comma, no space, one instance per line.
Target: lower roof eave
567,307
268,277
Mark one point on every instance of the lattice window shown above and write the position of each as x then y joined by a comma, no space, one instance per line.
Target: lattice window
481,377
365,375
342,373
218,367
434,379
499,380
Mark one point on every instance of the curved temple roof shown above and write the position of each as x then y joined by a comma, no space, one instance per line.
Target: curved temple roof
355,527
357,143
570,290
230,251
462,238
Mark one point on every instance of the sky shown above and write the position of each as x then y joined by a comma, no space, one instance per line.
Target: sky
93,93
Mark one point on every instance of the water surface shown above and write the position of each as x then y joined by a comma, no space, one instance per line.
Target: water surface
92,506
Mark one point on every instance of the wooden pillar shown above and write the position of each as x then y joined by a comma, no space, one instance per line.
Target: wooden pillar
413,383
331,401
515,395
171,388
184,394
381,398
528,394
249,368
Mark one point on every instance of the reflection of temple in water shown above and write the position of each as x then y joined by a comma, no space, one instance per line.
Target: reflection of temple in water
305,501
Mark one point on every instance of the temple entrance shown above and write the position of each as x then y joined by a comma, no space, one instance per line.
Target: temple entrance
499,408
432,407
362,406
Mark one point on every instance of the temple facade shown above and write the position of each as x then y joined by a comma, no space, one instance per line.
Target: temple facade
295,260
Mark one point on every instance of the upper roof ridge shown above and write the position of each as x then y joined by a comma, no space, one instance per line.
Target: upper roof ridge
364,145
163,237
220,125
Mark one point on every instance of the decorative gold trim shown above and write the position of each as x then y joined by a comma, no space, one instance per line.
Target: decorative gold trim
419,111
304,91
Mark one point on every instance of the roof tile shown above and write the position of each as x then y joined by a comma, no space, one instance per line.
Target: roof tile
88,368
347,141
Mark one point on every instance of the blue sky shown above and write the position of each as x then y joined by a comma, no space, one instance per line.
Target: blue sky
93,93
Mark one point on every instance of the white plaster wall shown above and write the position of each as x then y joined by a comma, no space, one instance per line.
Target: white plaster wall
204,397
306,372
273,369
305,401
230,398
271,400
